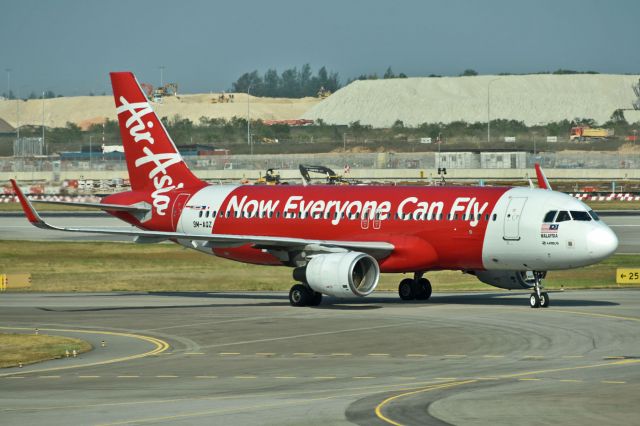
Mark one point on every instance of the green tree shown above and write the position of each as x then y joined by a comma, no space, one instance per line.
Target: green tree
389,73
469,73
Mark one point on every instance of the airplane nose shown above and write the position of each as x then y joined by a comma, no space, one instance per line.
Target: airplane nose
601,242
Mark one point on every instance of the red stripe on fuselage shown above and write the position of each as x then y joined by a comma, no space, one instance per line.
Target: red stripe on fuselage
441,242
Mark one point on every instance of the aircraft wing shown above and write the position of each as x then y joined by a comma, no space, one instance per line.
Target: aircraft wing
135,208
380,248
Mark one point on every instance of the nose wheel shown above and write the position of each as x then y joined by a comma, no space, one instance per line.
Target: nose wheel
539,298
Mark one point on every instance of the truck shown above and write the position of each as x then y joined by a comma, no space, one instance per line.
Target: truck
587,134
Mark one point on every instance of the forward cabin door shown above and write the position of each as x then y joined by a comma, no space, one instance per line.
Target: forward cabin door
178,205
512,218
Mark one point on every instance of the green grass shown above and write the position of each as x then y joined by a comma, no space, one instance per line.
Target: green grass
31,348
92,266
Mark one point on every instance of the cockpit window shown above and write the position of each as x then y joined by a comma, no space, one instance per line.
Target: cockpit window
580,215
548,218
563,216
594,215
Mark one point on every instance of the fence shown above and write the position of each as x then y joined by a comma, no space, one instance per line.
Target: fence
337,161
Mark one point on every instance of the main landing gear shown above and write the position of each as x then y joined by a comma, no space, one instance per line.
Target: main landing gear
539,298
303,295
418,288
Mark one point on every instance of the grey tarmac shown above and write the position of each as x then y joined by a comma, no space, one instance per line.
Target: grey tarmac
231,358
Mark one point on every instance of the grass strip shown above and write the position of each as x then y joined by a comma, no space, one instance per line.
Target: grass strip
32,348
108,266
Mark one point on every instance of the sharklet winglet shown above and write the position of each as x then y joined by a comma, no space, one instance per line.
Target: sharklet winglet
29,210
543,183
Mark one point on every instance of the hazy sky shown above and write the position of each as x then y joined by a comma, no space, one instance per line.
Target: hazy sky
69,46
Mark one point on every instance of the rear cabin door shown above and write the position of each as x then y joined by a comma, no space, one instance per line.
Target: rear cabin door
178,205
512,218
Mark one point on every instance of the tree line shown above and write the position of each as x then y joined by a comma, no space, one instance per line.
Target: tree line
291,83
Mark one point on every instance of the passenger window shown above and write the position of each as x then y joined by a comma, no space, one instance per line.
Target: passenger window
214,213
580,215
563,216
200,214
594,215
495,216
548,218
207,214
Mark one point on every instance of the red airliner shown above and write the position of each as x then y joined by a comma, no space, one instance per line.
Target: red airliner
338,239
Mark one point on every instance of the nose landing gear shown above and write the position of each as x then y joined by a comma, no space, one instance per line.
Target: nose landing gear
539,298
418,288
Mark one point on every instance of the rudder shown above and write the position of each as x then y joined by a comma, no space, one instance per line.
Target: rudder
153,161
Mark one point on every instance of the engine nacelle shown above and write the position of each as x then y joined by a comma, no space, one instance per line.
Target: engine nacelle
510,280
341,274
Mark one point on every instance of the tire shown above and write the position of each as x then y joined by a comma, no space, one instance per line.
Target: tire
544,300
299,295
424,289
534,300
405,289
315,299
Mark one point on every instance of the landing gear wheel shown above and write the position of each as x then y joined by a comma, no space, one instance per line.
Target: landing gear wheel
423,287
534,300
299,295
315,299
544,300
405,289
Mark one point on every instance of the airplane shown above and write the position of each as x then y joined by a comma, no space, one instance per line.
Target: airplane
339,239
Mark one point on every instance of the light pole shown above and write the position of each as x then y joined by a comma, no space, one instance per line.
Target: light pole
90,150
489,109
249,121
161,75
8,70
43,118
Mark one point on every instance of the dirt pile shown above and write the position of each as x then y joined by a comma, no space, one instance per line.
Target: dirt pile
530,98
86,110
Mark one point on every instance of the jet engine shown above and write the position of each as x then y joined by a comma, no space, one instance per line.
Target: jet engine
510,280
341,274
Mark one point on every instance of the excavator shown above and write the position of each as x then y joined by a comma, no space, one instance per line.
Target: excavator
331,177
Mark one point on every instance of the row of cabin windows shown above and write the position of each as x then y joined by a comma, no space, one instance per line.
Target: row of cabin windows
564,216
351,216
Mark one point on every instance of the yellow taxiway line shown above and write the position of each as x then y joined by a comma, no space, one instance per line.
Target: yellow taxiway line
160,346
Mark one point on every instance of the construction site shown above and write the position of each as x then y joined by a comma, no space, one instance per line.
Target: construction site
588,102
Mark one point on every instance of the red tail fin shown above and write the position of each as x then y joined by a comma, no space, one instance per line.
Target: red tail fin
153,161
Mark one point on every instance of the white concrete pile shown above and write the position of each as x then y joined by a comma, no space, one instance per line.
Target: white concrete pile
533,99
